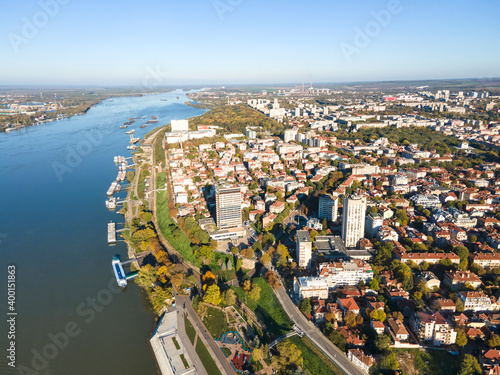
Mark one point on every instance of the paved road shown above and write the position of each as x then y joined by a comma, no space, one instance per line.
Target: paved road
190,349
315,335
182,301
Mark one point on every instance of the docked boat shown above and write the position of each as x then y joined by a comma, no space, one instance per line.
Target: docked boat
123,126
119,272
131,131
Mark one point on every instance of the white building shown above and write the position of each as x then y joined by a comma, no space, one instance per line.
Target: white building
426,200
360,359
353,220
328,206
433,327
344,273
303,248
180,125
475,301
310,287
373,222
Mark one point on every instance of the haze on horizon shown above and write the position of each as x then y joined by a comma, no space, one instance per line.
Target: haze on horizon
67,42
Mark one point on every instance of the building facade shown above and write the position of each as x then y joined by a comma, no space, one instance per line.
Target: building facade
228,207
328,206
303,248
353,220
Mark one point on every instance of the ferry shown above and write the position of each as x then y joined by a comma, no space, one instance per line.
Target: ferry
119,272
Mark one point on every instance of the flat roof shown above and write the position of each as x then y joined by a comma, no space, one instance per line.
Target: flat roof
303,236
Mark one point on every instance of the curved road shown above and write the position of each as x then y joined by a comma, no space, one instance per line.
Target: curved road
315,335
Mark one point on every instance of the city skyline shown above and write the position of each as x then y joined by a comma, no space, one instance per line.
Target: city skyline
234,42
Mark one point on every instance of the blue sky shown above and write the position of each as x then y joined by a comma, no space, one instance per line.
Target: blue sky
166,42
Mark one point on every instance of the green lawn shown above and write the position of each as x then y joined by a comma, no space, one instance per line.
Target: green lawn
206,359
168,228
190,331
314,360
267,308
435,362
184,361
215,321
177,346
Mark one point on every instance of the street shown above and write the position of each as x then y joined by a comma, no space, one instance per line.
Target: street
200,327
315,335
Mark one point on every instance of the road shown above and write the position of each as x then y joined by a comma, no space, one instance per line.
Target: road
315,335
190,349
184,303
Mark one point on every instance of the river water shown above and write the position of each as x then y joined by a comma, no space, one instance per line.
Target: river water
71,317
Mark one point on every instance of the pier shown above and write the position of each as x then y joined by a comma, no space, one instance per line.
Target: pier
111,233
120,275
112,188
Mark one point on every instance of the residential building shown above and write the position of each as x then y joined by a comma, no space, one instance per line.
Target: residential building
433,327
475,301
310,287
456,280
358,358
397,330
353,220
373,222
303,248
327,207
228,206
345,273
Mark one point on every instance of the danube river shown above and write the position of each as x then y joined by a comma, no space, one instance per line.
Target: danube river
71,317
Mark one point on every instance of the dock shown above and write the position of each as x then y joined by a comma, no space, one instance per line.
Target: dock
112,188
111,203
111,233
119,272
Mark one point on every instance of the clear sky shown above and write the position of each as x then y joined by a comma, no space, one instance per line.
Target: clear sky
152,42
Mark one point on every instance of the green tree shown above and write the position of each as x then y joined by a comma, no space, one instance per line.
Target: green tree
254,293
146,277
389,362
494,341
288,358
374,284
469,366
461,338
350,319
212,295
159,297
382,342
378,315
229,297
305,306
235,250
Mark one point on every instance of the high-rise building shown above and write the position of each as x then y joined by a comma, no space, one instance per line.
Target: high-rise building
303,248
353,220
327,207
228,206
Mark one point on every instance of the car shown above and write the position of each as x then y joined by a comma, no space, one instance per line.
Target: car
247,222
